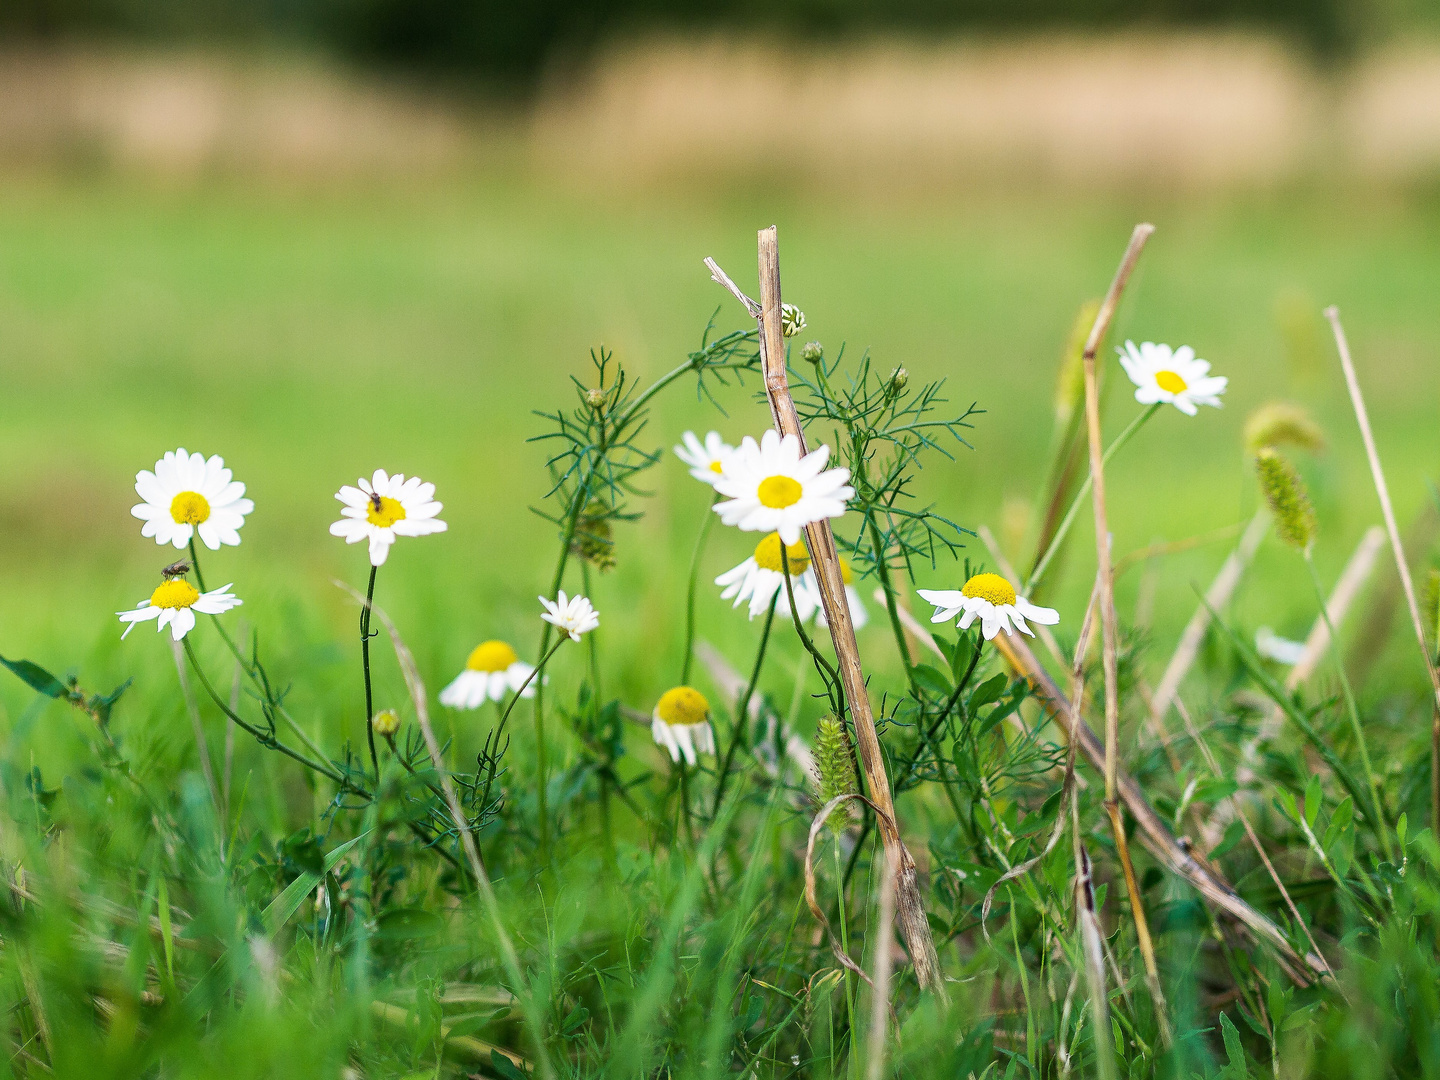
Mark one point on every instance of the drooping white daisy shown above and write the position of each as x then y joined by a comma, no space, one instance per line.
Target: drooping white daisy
991,599
1274,647
760,577
385,507
492,672
706,460
174,604
771,488
189,495
575,615
1171,376
681,724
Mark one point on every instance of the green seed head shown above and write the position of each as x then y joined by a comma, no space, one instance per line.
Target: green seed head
836,771
1289,502
1279,423
812,352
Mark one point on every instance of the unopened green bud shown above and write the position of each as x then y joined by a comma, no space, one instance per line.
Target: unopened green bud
898,378
1279,423
836,771
595,398
792,320
386,722
1289,502
813,352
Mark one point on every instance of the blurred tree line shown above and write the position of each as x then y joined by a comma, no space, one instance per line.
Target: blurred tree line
507,43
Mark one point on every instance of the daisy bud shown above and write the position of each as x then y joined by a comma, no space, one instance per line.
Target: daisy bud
898,378
595,398
835,771
1279,423
1289,502
812,352
792,320
386,722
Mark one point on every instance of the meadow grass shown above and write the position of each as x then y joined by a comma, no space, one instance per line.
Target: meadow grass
309,336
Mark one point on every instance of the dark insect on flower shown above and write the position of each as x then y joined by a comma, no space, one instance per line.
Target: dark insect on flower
175,569
375,501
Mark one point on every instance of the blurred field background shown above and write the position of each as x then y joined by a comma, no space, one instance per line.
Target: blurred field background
320,245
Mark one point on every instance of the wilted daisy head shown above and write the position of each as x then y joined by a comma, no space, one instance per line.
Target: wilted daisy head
707,459
174,604
1171,376
189,495
991,599
770,487
760,577
492,672
681,724
384,507
575,615
792,320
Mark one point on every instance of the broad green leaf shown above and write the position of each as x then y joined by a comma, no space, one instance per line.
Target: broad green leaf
282,909
1233,1050
1312,801
36,677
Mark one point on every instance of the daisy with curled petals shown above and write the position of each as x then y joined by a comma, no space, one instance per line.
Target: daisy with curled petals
174,604
760,577
384,507
1166,376
707,459
189,495
574,615
992,600
492,672
681,724
771,488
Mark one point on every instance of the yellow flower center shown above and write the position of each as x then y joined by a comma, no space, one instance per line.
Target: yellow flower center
190,508
682,705
716,467
846,574
767,555
491,656
778,492
390,511
175,593
1170,382
990,587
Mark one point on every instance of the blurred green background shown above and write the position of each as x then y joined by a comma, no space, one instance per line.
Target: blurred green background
311,326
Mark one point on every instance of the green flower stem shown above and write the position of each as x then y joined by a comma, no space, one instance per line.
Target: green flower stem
892,606
705,527
195,562
365,635
840,881
1382,825
833,686
742,707
1068,520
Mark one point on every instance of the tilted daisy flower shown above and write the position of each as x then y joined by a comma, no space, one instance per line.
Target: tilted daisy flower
492,672
707,459
175,602
385,507
992,600
189,495
771,488
760,577
575,615
681,724
1171,376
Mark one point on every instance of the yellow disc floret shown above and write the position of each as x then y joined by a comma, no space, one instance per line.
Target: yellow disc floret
767,555
990,587
778,492
491,656
190,508
716,467
682,705
175,593
1170,382
390,511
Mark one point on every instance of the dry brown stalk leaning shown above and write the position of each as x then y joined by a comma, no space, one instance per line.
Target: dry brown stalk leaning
825,560
1357,400
1110,630
1154,834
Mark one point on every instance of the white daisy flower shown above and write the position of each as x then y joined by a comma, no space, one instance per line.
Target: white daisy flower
771,488
1171,376
492,672
385,507
991,599
574,615
706,460
792,320
1274,647
188,495
760,577
681,724
174,604
858,615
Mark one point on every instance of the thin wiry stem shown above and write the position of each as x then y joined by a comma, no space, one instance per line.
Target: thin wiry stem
365,636
705,527
742,707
